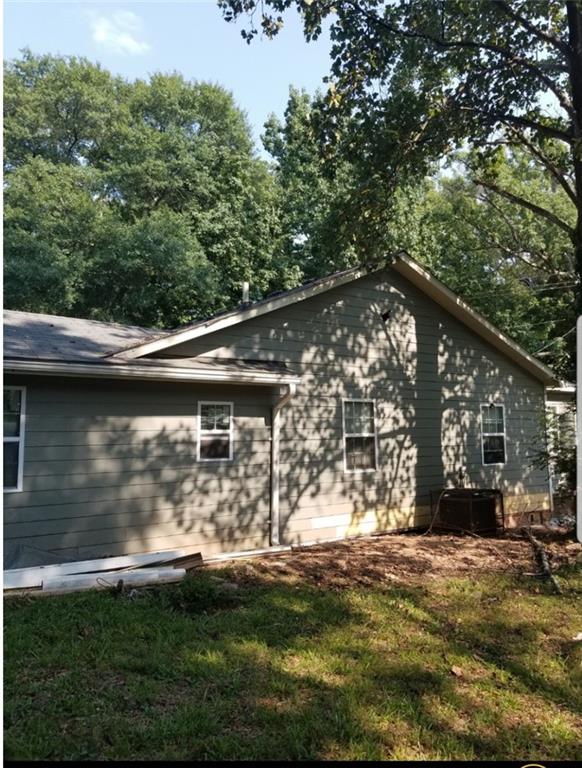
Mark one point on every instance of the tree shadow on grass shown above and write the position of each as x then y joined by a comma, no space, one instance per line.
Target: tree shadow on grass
272,670
346,699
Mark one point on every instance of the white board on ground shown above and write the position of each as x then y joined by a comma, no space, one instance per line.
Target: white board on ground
22,578
107,579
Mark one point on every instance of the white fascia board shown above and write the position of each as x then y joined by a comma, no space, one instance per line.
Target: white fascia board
449,301
220,323
117,371
563,389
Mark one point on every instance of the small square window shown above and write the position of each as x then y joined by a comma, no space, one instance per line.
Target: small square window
215,431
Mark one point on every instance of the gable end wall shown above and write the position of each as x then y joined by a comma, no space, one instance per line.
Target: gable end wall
428,375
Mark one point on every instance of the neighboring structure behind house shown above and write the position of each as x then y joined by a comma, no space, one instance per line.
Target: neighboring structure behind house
561,412
329,410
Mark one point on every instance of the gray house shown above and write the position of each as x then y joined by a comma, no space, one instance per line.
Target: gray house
330,410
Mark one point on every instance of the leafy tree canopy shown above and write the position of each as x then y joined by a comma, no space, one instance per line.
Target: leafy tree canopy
412,81
144,202
139,201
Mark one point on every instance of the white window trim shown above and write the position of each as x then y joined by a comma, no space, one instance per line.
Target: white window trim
493,434
362,434
19,440
229,432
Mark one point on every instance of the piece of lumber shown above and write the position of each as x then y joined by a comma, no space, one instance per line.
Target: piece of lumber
19,578
542,558
187,562
110,579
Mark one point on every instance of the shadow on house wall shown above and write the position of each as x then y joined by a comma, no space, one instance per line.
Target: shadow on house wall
111,467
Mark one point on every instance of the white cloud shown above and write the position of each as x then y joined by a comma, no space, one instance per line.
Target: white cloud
120,32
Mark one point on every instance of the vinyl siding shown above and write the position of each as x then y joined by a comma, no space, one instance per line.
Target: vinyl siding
427,373
110,468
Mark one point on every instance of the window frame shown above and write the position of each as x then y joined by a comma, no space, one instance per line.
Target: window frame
493,434
345,435
229,432
17,439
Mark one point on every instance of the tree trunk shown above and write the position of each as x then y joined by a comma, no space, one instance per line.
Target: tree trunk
574,14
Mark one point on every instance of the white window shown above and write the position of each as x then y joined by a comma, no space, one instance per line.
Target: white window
14,413
493,433
214,431
360,449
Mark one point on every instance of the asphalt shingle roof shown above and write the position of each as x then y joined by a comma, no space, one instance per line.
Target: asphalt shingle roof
32,336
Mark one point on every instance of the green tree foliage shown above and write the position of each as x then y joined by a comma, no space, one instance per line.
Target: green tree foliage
507,263
309,195
52,219
149,272
61,109
554,446
317,232
412,81
139,202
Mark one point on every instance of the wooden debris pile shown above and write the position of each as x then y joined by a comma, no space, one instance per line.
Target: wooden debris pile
543,562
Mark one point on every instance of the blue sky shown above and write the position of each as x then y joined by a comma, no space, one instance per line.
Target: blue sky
135,39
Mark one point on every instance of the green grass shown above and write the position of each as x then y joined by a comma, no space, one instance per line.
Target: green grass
276,670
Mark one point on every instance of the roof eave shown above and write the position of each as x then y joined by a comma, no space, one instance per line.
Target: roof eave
565,389
120,371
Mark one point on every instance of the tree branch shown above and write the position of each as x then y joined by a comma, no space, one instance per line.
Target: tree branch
546,130
537,209
547,163
560,45
506,53
438,41
521,255
546,262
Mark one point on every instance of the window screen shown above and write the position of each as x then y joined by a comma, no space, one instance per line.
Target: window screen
359,435
214,431
13,437
493,434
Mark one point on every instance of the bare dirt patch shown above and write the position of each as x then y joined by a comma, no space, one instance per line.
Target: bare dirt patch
410,558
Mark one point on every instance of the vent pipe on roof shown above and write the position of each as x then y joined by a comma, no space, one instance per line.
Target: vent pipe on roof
245,292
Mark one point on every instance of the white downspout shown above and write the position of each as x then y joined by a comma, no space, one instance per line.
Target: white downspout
275,463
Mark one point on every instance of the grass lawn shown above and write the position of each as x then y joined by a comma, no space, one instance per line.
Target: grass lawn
472,667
